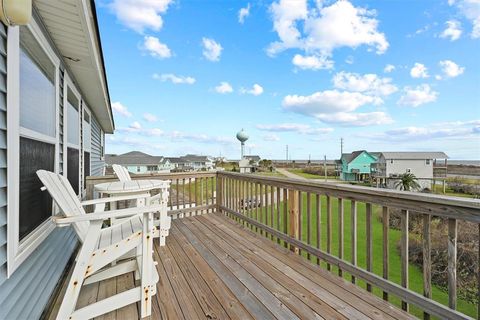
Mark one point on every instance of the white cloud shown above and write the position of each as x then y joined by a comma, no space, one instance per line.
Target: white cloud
243,13
202,138
470,9
356,119
417,96
120,109
367,83
135,125
150,117
451,69
419,71
271,137
174,78
350,60
389,68
312,62
140,14
293,127
325,28
457,129
453,30
155,48
224,87
211,49
329,101
337,107
256,90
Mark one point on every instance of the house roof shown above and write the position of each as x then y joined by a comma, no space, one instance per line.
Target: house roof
76,35
252,157
414,155
194,158
133,158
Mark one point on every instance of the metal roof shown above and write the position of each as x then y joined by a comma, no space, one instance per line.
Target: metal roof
420,155
133,158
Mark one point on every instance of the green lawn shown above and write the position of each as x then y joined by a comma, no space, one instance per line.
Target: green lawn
415,273
309,175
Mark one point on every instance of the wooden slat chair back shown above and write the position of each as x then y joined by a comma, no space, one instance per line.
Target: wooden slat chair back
103,247
121,172
63,194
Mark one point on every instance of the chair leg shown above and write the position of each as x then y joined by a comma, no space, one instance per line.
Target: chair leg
146,267
80,271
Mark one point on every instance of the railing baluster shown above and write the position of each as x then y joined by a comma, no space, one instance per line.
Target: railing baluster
196,195
256,205
190,193
369,237
213,192
452,263
262,206
340,232
278,213
353,236
329,228
178,192
427,260
309,226
285,214
183,194
404,253
300,218
386,248
272,208
319,222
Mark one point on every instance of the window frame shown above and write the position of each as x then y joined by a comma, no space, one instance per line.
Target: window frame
85,110
68,84
19,250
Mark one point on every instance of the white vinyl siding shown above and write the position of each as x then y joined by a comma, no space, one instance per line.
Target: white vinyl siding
3,154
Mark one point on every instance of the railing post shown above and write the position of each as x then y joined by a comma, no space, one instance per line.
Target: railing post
219,198
427,260
293,207
452,263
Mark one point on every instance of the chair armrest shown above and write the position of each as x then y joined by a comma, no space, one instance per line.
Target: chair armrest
105,215
113,199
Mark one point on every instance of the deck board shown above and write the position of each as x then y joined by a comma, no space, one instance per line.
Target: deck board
215,268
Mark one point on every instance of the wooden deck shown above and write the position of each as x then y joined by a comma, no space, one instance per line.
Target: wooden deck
214,268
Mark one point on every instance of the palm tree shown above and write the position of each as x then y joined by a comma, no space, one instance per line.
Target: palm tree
407,182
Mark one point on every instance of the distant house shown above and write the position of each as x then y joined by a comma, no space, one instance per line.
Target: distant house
191,162
393,164
139,162
245,166
355,166
253,159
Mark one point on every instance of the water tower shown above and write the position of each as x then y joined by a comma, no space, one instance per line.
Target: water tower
242,136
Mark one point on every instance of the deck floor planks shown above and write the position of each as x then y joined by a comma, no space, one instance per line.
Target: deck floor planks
208,302
266,279
350,293
310,299
223,294
213,267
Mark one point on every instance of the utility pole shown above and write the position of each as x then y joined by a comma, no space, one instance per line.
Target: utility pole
287,152
341,147
325,166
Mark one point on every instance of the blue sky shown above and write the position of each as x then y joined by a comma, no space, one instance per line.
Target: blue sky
185,76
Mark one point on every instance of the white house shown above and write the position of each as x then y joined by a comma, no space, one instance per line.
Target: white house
54,112
390,165
139,162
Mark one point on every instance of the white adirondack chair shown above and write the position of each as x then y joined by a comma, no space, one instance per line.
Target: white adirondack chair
121,172
101,247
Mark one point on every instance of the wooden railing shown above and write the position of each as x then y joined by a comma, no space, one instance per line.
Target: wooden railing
309,219
292,212
191,193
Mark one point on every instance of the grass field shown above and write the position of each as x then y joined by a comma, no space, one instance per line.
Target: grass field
309,175
415,273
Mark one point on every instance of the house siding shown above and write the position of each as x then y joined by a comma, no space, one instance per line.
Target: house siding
3,154
96,162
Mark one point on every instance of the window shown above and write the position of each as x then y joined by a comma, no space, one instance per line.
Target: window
151,168
138,169
37,144
73,139
391,161
87,145
427,162
33,138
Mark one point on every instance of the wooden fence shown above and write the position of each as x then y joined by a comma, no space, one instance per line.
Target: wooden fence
278,207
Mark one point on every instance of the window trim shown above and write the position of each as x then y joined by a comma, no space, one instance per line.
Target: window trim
19,250
68,84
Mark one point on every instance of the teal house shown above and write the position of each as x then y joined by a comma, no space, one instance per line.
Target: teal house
355,166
